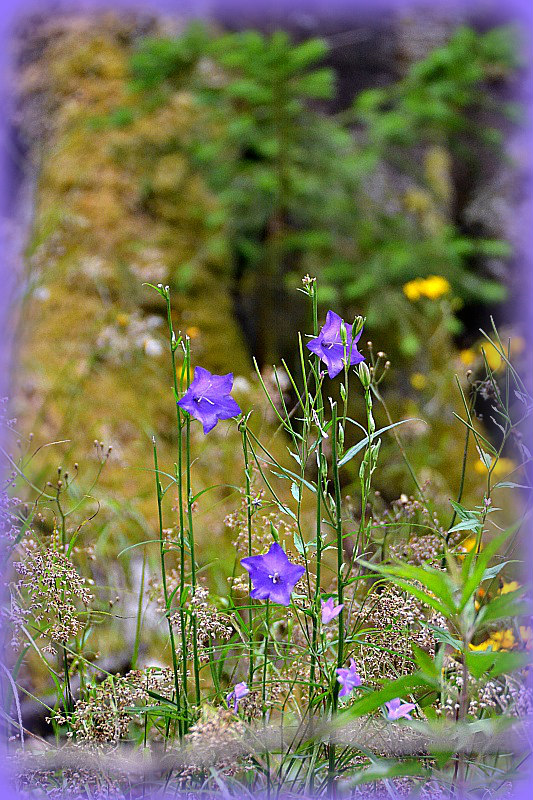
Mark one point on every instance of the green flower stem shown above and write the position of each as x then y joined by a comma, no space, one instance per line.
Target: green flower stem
332,792
196,664
249,529
340,547
303,455
265,657
138,622
69,700
369,466
179,480
320,414
340,589
159,492
263,688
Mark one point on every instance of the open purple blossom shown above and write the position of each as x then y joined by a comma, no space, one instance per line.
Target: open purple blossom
329,347
349,679
329,611
273,575
208,398
240,690
397,709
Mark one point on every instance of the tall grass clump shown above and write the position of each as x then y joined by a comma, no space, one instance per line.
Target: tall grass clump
354,651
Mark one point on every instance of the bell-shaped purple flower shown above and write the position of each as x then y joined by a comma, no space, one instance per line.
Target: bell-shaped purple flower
348,678
208,398
329,346
273,575
239,691
397,709
330,611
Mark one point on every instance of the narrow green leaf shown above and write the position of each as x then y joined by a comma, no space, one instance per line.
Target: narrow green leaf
352,451
398,688
504,606
436,581
425,662
480,565
420,595
495,663
385,769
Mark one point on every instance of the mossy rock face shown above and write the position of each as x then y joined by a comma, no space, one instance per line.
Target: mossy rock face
93,351
113,212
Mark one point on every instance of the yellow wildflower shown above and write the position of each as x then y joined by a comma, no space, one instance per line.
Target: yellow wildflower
503,466
480,467
483,646
494,359
469,544
467,356
512,586
499,640
412,289
418,381
435,286
192,332
492,353
502,640
432,287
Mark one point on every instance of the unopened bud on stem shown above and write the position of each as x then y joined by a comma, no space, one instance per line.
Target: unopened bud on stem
344,338
364,374
357,325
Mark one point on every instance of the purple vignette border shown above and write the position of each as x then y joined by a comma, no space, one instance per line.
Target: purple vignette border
12,230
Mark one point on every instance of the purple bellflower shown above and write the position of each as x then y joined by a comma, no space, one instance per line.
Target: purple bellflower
208,398
329,347
397,709
273,575
329,611
348,679
240,690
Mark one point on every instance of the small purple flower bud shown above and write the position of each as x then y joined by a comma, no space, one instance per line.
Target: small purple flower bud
329,611
397,709
240,690
348,678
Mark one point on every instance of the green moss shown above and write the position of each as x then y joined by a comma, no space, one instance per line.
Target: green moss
95,242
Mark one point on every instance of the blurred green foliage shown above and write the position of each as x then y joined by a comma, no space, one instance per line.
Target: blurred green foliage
363,199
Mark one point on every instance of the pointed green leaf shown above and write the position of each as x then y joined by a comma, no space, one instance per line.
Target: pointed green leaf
364,442
397,688
506,605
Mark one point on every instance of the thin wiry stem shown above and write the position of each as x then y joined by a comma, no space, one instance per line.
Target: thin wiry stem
159,492
179,480
196,663
249,532
318,516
